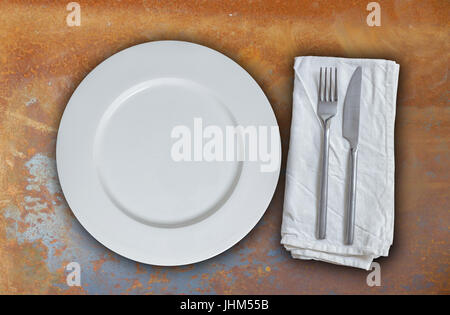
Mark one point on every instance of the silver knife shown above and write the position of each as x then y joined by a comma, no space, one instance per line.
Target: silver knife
350,131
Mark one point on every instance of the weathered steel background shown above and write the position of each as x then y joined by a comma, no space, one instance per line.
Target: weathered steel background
43,60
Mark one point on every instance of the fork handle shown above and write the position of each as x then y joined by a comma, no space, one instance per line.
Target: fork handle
322,217
350,230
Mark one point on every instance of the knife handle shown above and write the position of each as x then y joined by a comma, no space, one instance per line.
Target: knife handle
350,230
322,217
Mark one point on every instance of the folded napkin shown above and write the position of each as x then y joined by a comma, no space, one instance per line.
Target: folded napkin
375,178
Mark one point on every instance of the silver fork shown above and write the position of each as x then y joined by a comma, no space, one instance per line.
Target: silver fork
326,110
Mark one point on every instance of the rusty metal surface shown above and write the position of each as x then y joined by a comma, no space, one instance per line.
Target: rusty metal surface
42,60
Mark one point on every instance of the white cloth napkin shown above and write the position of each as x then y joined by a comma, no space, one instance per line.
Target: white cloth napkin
375,178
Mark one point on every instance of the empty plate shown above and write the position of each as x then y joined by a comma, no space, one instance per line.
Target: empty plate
142,153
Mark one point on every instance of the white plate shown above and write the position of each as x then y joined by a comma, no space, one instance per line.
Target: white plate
114,154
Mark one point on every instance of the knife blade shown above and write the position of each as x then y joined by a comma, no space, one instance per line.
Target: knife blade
350,124
350,131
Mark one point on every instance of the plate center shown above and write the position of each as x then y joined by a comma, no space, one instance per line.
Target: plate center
136,168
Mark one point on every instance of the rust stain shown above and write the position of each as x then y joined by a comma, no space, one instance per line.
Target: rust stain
42,60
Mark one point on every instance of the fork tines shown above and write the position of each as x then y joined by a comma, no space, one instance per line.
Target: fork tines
329,92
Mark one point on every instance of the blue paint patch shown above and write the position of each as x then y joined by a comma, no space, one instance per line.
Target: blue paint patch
419,282
42,171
